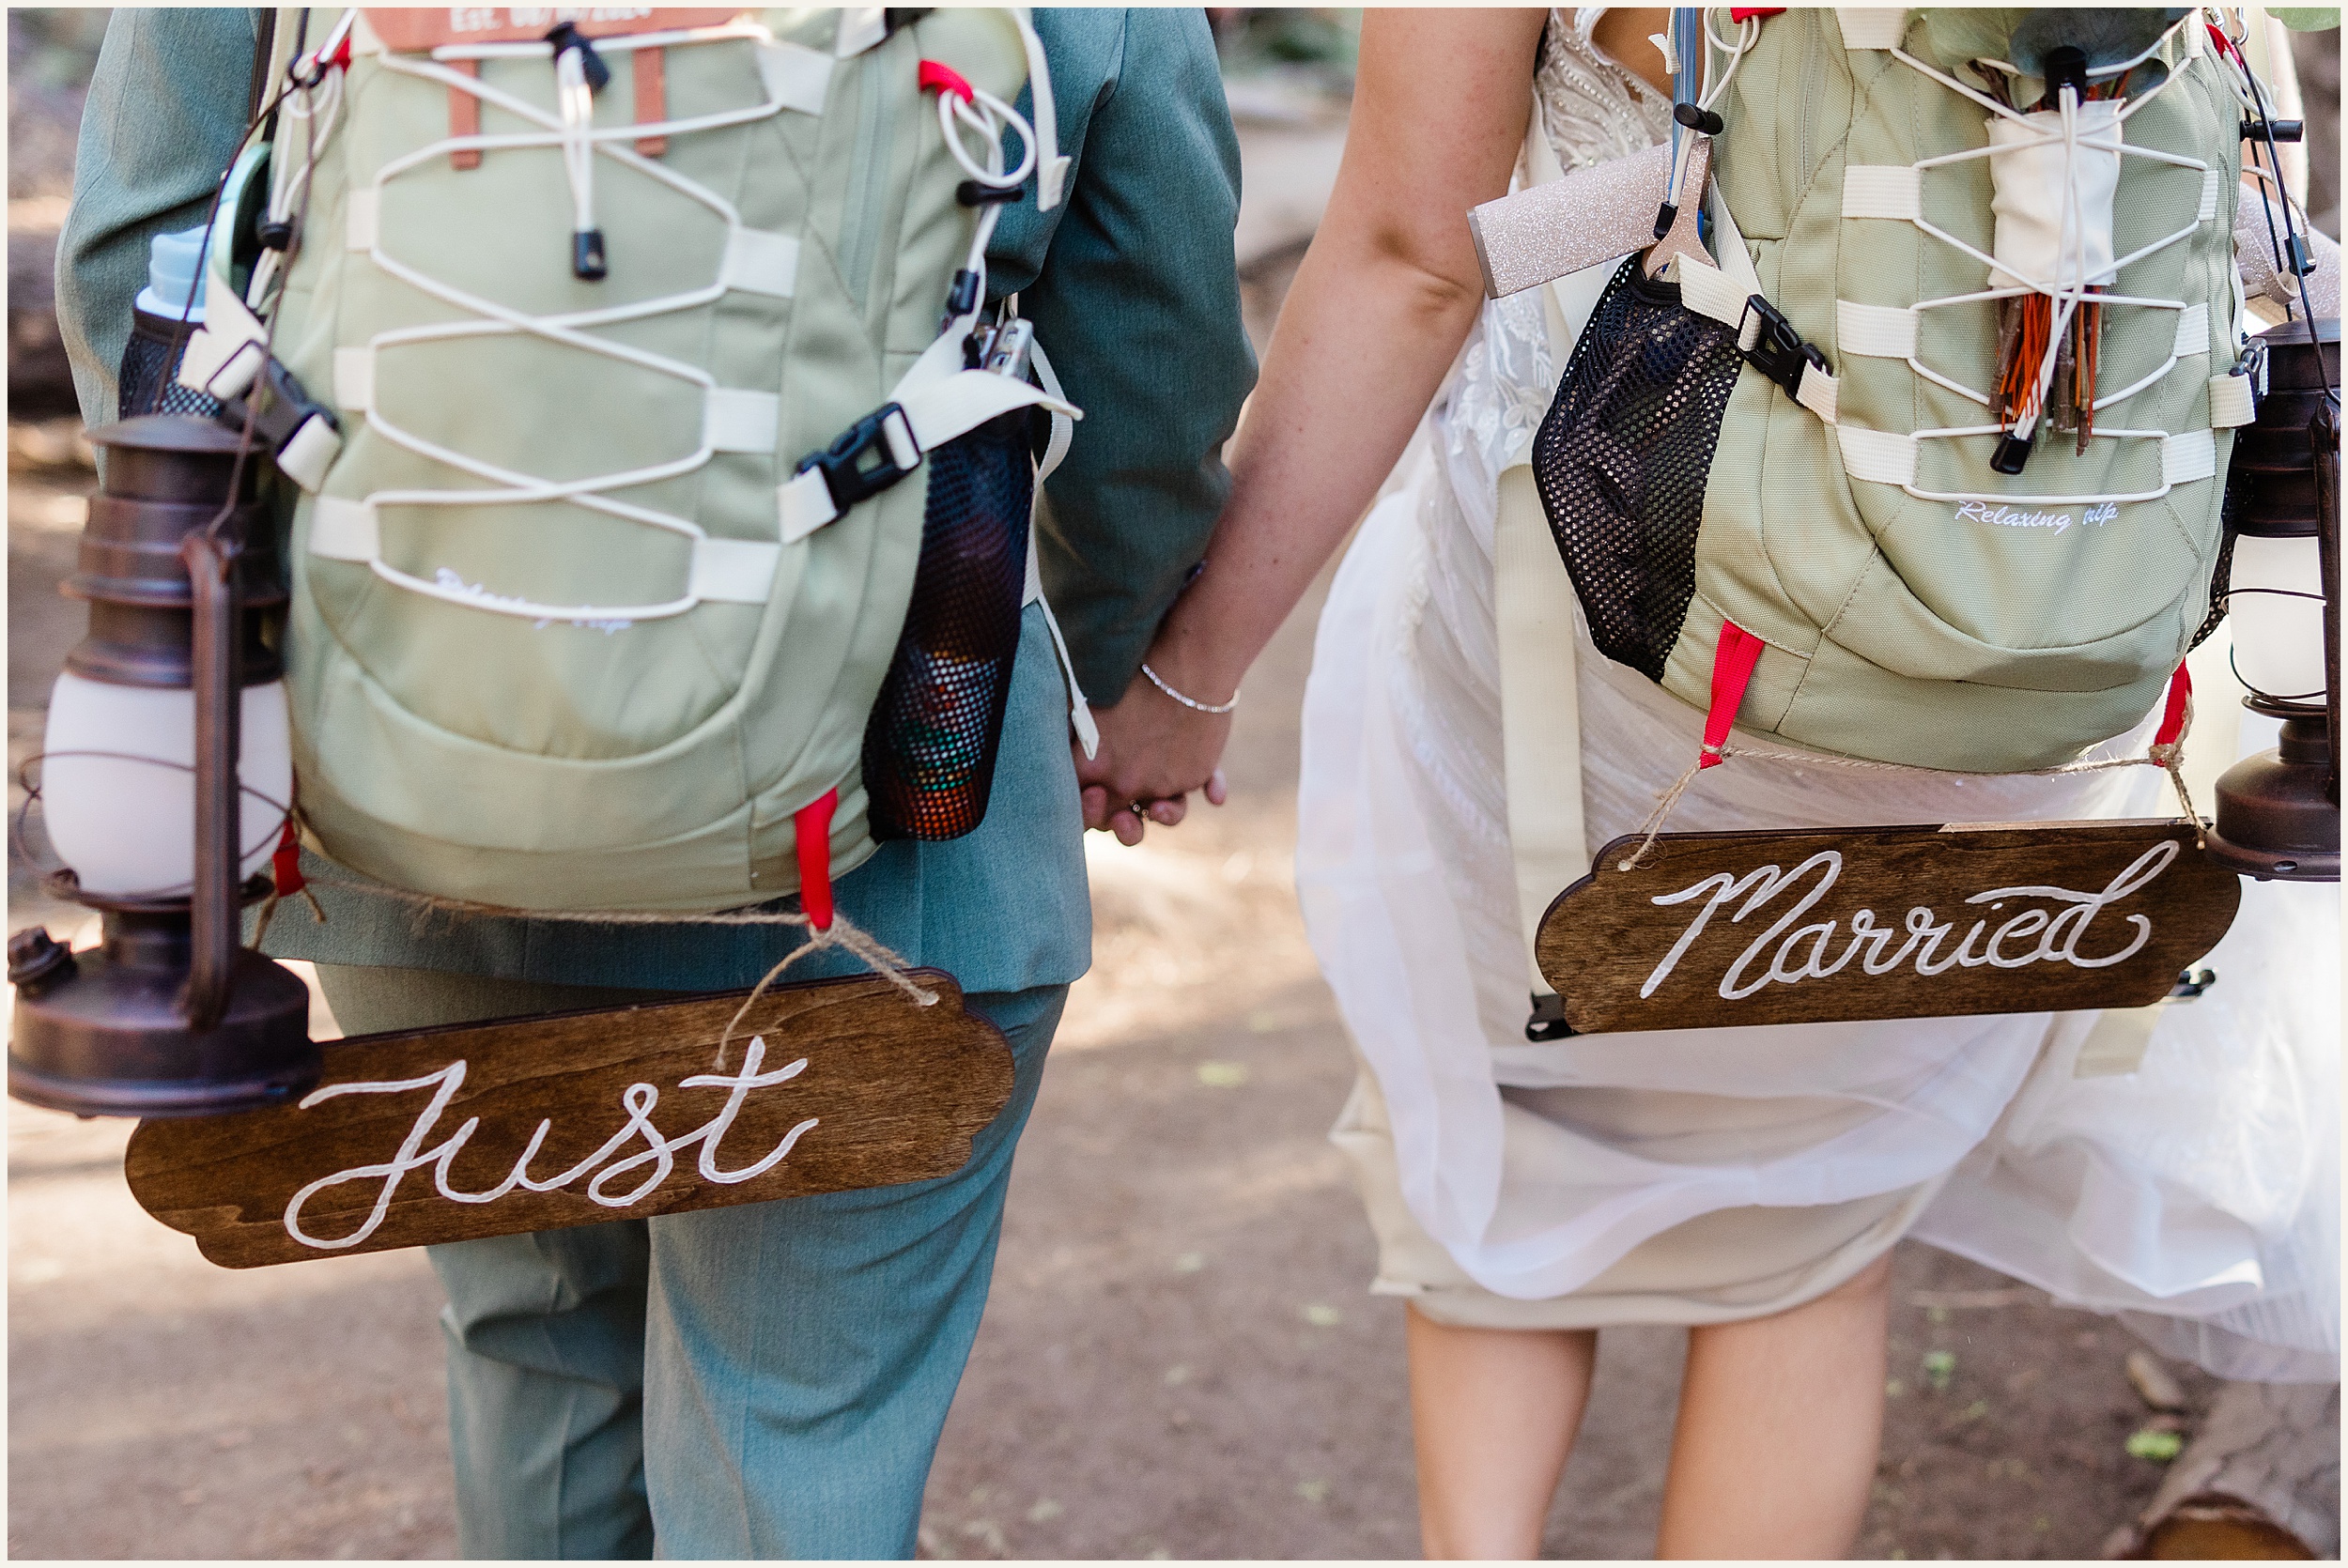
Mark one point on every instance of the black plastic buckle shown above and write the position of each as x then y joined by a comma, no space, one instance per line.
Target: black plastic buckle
285,407
1548,1021
846,473
1778,351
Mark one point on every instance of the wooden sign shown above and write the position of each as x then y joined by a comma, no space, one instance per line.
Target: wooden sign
529,1124
1810,927
410,29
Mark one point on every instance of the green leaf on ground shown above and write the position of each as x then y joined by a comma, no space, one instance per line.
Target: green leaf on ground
2159,1447
1939,1366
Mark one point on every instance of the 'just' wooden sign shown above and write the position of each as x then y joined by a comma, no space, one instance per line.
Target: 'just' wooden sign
528,1124
1816,926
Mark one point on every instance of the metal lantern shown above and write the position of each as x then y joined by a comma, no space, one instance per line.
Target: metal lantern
165,775
2278,812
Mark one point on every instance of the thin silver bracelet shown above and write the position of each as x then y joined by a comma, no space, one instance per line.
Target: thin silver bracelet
1187,701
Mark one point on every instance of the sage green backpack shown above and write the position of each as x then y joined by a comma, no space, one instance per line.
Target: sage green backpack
574,625
1777,482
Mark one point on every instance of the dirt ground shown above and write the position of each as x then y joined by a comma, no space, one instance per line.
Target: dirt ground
1179,1359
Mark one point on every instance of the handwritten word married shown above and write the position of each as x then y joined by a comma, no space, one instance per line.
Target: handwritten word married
2032,935
660,1152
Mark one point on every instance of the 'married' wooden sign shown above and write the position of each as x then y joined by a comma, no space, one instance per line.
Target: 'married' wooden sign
1810,927
533,1124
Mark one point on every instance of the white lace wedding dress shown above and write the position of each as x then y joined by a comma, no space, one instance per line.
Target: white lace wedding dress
1700,1175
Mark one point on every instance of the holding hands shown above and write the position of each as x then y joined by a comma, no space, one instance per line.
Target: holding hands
1155,748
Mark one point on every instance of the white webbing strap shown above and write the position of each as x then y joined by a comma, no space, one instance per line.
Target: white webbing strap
1818,392
224,354
940,400
795,76
1710,292
1889,457
1893,191
1540,723
1051,166
362,211
724,571
733,571
1884,456
2187,458
804,504
737,418
342,530
2192,329
758,262
1871,28
1725,294
354,378
862,27
1876,331
1055,453
309,452
2229,403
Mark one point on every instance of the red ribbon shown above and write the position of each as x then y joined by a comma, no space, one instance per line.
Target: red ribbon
285,863
812,822
1731,670
2172,718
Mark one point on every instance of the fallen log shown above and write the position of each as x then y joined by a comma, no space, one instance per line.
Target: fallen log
2260,1480
40,381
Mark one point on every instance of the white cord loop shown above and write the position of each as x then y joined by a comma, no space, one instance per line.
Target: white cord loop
575,97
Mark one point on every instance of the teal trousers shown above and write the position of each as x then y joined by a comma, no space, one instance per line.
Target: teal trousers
767,1381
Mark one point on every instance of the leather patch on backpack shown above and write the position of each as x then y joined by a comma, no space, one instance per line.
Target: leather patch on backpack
414,30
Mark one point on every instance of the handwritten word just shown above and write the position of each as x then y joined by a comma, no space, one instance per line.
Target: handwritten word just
2053,928
657,1159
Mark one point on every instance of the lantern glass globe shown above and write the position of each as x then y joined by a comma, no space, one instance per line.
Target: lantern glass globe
118,786
2278,636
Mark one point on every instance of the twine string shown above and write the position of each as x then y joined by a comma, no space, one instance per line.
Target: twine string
2169,758
843,933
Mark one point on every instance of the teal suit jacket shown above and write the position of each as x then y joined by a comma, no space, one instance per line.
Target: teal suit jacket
1133,289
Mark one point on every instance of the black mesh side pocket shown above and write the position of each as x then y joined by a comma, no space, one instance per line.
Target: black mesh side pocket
149,380
1622,459
930,746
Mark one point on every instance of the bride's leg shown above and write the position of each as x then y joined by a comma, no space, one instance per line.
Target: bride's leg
1494,1412
1780,1422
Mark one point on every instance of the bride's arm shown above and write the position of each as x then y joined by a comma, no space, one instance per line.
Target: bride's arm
1380,306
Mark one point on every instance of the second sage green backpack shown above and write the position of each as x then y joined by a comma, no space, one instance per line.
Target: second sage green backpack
626,329
1798,488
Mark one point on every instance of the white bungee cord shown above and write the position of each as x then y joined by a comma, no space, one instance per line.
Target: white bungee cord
989,116
1709,92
